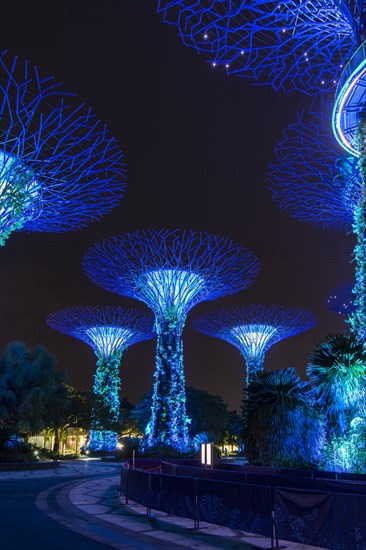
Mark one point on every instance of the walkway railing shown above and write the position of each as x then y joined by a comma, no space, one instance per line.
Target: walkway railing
322,512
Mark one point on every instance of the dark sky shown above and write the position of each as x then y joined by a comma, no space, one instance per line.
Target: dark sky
196,145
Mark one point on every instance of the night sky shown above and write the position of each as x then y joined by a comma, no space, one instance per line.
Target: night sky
196,145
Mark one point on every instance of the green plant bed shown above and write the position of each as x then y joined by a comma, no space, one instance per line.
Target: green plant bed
17,452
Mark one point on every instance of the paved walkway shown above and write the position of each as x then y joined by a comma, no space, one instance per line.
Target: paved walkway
94,508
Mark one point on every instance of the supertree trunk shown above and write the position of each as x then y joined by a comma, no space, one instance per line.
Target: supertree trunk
358,318
103,435
254,366
168,422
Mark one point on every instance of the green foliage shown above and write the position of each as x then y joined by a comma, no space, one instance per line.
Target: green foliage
165,451
347,453
32,395
12,450
18,195
358,317
282,426
234,428
208,413
107,385
337,369
130,444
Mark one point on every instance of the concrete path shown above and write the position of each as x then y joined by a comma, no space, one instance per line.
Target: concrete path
93,508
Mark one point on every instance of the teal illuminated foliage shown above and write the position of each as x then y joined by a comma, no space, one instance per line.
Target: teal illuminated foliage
358,317
347,453
168,423
282,428
337,368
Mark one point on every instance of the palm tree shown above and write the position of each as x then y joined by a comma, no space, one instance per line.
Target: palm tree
337,368
282,428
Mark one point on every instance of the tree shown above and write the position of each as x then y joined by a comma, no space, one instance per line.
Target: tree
337,368
32,394
171,271
208,413
282,426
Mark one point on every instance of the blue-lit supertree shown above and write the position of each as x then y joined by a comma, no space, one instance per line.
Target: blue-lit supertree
341,299
59,166
349,127
289,44
253,329
313,182
171,271
109,331
310,177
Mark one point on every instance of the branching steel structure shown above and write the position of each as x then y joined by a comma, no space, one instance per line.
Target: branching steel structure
171,271
59,166
109,331
313,182
253,329
289,44
311,179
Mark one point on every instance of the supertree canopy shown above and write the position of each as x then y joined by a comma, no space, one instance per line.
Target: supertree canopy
253,329
313,182
171,271
59,166
109,331
289,44
341,299
311,179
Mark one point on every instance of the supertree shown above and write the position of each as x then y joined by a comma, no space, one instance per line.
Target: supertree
59,166
313,182
341,299
311,179
349,127
253,329
171,271
109,331
289,44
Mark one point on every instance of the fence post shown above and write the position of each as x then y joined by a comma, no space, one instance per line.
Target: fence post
149,490
196,524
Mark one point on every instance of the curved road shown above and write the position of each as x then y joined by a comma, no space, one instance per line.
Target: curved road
24,526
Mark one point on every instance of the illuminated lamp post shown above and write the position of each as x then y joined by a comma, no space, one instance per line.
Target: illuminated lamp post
171,271
109,331
253,329
59,167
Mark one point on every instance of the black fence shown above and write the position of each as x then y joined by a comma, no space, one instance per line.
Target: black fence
299,507
326,519
231,504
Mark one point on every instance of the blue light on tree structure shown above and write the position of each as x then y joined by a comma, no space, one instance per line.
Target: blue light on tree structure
171,271
311,179
289,44
109,331
349,126
59,167
350,101
253,329
312,182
